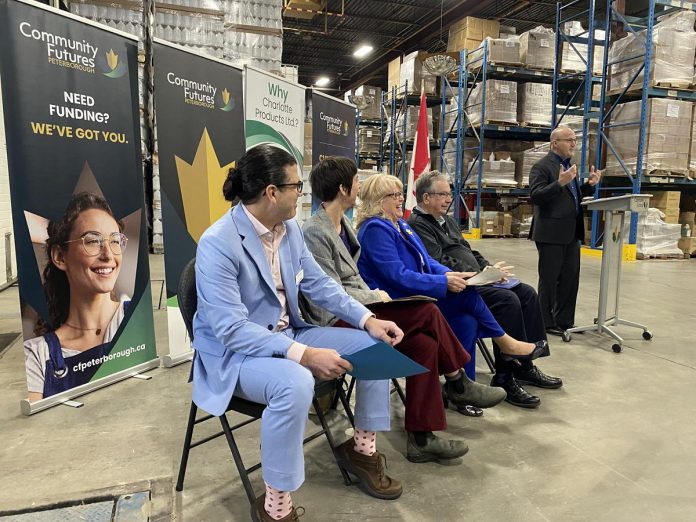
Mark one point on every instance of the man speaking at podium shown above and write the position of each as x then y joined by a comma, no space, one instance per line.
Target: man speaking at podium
557,228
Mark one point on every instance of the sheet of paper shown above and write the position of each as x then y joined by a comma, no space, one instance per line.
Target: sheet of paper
486,276
381,361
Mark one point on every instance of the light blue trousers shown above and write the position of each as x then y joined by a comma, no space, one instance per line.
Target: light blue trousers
287,388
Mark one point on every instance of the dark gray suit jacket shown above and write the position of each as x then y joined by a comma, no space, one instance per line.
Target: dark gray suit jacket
333,257
556,219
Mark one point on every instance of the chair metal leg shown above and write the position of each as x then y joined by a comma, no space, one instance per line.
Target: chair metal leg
332,444
238,460
187,447
346,405
399,391
486,354
350,389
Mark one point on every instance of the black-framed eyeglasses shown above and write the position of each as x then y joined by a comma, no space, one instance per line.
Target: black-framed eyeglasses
571,140
298,186
441,194
93,243
394,195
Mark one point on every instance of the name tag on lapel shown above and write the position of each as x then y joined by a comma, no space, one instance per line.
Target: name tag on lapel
299,277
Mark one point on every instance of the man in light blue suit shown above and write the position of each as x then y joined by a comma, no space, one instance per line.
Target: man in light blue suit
251,340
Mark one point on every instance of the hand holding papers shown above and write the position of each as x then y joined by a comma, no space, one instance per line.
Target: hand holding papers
487,276
381,361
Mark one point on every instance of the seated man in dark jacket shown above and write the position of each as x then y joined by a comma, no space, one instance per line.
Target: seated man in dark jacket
516,309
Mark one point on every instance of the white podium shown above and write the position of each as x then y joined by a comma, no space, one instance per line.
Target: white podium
615,210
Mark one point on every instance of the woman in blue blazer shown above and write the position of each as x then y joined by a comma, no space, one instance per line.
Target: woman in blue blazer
395,260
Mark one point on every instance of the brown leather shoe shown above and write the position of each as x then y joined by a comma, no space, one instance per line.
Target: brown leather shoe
259,512
370,470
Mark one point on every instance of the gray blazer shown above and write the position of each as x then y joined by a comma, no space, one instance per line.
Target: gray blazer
333,257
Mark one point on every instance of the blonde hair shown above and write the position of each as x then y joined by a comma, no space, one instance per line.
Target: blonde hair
372,192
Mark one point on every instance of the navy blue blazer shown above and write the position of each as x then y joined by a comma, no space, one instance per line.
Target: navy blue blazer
399,266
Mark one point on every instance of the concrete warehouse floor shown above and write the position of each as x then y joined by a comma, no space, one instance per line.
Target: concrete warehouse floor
615,443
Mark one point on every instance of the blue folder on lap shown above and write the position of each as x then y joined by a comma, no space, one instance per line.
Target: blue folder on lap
381,361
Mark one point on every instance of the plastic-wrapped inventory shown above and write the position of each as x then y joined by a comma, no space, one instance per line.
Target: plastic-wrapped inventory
534,102
501,102
124,16
498,170
529,158
672,64
198,25
413,72
411,123
500,51
655,237
571,60
667,140
537,48
369,139
253,32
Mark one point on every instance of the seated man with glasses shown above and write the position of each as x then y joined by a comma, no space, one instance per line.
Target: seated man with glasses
558,228
516,309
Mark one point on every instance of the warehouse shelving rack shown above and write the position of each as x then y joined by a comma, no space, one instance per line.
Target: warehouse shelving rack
377,124
470,72
395,104
635,181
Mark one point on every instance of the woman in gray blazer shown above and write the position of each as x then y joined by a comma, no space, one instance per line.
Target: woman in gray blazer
428,338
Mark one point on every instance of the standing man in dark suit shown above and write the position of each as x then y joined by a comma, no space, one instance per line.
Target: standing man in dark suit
557,228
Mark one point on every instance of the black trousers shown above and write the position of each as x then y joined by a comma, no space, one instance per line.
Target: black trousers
518,312
559,279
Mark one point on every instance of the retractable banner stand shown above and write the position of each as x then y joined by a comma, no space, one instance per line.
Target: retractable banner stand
73,147
333,130
200,134
275,111
333,127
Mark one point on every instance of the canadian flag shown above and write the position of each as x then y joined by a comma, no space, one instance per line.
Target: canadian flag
420,159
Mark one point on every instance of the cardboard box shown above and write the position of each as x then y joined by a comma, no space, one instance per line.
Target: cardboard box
415,74
538,48
394,74
671,216
500,51
665,199
687,245
668,137
534,102
372,112
501,102
466,32
687,217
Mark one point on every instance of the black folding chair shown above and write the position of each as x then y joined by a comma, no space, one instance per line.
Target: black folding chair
486,354
188,302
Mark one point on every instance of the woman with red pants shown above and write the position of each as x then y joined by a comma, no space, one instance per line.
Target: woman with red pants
428,338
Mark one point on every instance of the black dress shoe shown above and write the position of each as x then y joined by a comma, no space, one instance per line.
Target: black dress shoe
541,349
555,330
536,377
516,395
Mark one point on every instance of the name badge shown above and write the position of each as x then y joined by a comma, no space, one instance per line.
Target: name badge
299,277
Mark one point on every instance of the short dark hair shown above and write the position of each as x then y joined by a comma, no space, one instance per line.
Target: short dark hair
329,174
425,182
259,167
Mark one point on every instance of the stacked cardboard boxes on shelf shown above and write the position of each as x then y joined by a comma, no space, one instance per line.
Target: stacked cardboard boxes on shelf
501,102
369,139
534,102
470,32
674,46
667,141
538,49
501,51
522,219
574,58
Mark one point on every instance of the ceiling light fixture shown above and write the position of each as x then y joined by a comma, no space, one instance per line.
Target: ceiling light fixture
322,82
363,51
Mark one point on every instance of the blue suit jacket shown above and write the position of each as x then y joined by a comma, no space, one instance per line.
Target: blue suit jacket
238,306
401,267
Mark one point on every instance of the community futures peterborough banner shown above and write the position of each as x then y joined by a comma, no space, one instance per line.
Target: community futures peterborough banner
70,96
200,133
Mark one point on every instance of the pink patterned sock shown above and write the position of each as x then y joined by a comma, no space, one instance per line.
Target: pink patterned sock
365,442
278,503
